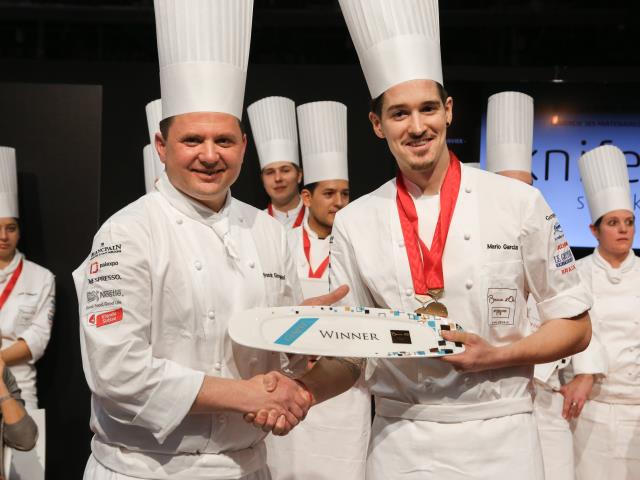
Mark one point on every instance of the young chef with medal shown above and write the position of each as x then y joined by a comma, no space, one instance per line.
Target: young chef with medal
332,441
461,237
606,427
165,274
509,153
27,291
273,124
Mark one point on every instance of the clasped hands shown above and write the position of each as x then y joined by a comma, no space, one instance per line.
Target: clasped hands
280,402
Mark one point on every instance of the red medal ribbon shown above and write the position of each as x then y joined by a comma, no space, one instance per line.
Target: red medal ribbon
425,263
307,253
10,284
299,218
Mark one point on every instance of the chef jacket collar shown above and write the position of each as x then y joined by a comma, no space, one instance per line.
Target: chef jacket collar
294,211
313,234
414,190
614,275
191,208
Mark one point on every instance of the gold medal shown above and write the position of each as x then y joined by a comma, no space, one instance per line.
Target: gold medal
435,307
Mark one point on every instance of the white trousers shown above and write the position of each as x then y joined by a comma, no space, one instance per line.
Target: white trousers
607,442
497,448
96,471
555,434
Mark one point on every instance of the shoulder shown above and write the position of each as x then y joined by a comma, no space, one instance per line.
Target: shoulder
37,271
263,225
361,209
134,219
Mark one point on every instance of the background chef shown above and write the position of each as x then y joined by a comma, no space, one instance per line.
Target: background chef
273,124
332,441
510,119
27,290
606,439
168,386
467,415
153,166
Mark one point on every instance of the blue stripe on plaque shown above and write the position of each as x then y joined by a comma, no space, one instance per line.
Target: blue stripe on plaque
296,330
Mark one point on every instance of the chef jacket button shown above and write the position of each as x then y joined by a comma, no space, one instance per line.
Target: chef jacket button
467,236
241,220
179,221
469,284
222,419
401,244
252,264
211,314
467,189
218,366
198,265
408,292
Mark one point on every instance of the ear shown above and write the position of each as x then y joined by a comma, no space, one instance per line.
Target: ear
299,176
306,197
448,110
376,123
244,145
595,232
161,146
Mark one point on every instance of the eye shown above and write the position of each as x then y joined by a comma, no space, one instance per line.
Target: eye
398,114
224,141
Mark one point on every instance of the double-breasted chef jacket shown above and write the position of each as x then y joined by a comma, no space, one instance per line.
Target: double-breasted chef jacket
606,434
27,314
156,293
504,243
289,218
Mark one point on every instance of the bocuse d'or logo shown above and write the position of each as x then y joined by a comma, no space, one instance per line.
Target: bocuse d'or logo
400,336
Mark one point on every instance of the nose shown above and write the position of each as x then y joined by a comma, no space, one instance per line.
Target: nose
208,153
416,125
3,234
340,201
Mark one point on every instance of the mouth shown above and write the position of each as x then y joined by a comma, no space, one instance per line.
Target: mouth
208,173
419,146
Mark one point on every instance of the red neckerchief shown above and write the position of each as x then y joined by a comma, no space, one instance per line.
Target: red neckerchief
307,253
425,263
299,218
10,284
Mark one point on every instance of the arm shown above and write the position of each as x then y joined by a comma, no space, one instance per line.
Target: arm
16,354
20,431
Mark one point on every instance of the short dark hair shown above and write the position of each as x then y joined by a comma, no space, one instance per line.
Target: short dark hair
311,187
598,222
165,124
376,103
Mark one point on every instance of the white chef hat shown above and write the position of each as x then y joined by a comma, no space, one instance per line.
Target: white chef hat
396,40
473,165
273,123
323,141
153,167
8,183
154,115
509,132
606,180
203,49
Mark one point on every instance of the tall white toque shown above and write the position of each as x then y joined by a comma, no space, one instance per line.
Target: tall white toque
396,40
509,132
149,168
605,178
203,49
273,124
154,115
323,141
8,183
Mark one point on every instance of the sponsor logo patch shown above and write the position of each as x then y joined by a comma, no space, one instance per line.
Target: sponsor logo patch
103,278
106,249
400,336
501,305
106,318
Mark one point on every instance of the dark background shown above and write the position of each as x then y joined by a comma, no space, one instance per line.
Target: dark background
77,75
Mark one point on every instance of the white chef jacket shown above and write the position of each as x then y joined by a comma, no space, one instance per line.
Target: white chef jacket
155,294
332,441
288,218
28,314
504,243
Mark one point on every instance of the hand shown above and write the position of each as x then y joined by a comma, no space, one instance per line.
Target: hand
576,393
478,354
292,402
328,299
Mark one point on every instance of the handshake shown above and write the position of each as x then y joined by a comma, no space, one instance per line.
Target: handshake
276,403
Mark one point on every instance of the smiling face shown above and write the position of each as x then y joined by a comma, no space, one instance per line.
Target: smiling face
280,180
615,232
414,120
203,154
324,201
9,237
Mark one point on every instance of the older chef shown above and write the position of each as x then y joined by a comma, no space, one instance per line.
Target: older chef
273,124
332,441
510,121
456,241
27,291
607,432
153,166
169,387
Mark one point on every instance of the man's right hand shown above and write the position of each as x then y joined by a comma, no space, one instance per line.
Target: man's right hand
276,403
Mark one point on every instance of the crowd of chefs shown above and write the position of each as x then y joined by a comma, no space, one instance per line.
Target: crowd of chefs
173,397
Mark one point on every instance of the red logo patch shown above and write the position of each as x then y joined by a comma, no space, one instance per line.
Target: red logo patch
92,319
94,267
107,318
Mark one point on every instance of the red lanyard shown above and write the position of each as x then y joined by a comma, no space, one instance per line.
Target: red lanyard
10,284
307,250
425,263
299,218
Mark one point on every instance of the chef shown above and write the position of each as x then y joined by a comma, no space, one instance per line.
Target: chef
332,441
451,241
169,387
27,291
510,121
273,124
606,439
153,166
